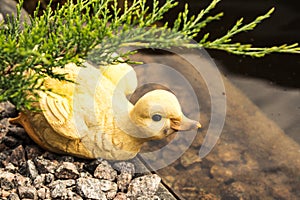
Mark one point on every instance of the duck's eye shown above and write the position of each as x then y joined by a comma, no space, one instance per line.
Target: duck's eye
156,117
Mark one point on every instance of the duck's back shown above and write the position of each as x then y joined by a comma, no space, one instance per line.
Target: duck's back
77,117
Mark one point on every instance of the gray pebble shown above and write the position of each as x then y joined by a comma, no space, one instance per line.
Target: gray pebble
44,165
22,180
127,171
90,188
146,185
67,170
6,108
107,185
44,193
33,172
27,192
110,188
39,181
17,156
59,192
220,173
49,178
11,168
105,171
85,175
6,180
73,196
13,196
123,181
125,167
59,189
121,196
66,183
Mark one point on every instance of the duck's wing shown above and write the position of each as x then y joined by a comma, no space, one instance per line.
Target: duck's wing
57,111
122,76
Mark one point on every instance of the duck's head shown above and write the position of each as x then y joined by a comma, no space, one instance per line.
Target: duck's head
158,114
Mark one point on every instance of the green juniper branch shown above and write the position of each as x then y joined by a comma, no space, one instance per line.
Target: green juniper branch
94,30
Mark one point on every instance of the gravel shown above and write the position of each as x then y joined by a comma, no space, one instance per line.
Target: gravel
28,172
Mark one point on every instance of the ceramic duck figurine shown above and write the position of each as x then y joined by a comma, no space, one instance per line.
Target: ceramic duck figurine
92,117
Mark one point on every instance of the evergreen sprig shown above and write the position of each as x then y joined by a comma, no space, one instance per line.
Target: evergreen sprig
94,30
223,43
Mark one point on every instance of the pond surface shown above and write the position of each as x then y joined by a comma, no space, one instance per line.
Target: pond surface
252,159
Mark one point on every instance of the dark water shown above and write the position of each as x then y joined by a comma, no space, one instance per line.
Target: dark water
272,82
277,76
252,159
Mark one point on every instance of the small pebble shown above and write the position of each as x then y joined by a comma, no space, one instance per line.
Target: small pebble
105,171
121,196
10,168
123,181
220,173
22,180
73,196
7,110
49,178
58,189
110,188
66,183
27,192
189,158
44,165
146,185
6,180
90,188
13,196
39,181
44,193
236,190
125,167
67,170
33,172
5,194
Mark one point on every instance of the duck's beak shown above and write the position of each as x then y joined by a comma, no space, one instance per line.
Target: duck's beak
185,124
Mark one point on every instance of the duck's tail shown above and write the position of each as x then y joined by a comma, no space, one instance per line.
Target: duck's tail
18,120
23,120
